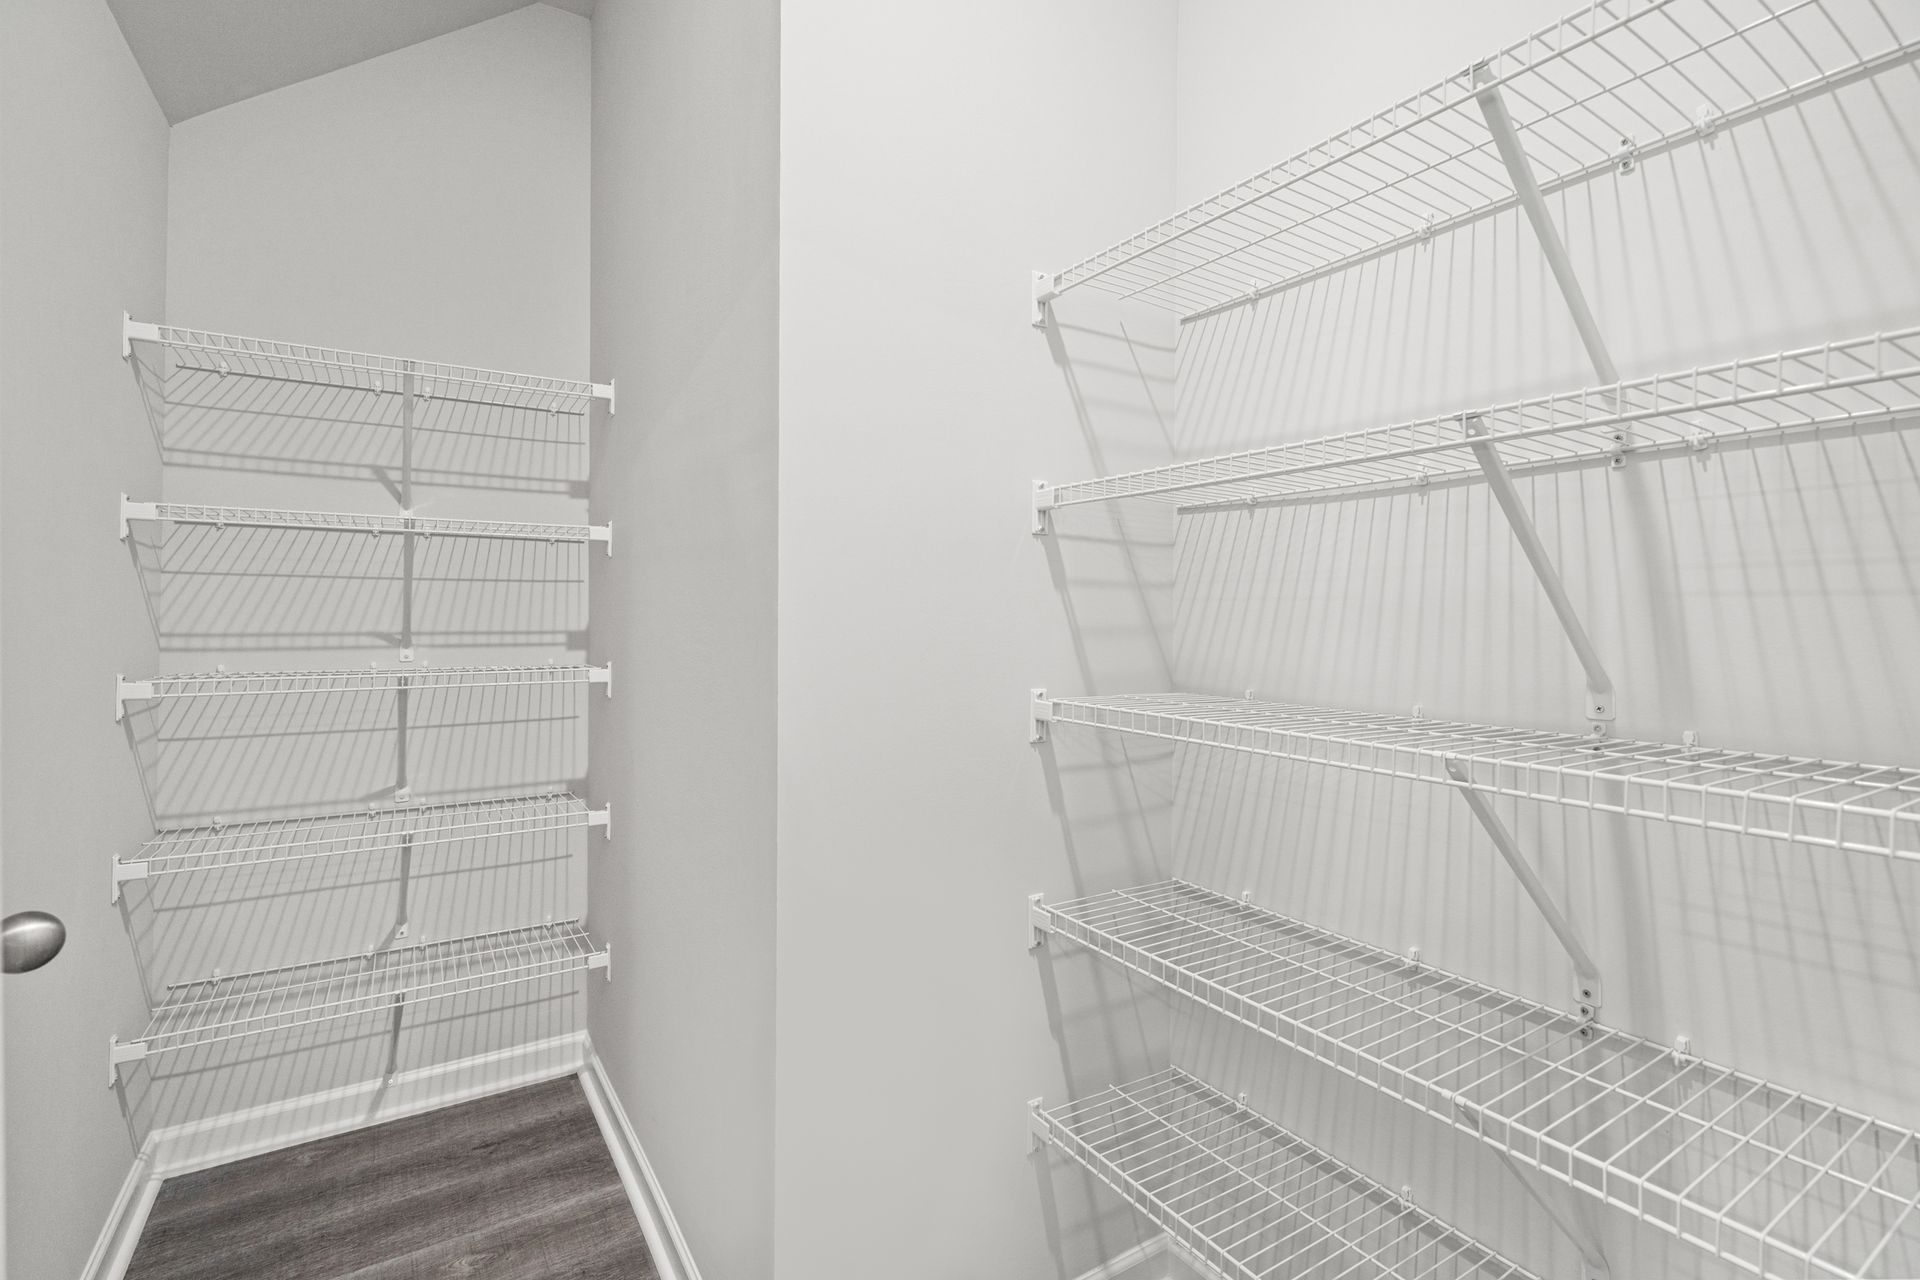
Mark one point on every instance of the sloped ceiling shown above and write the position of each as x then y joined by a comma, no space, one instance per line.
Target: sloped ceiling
203,54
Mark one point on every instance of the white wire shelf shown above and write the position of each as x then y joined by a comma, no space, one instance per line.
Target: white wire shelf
1859,808
1790,392
1601,91
357,522
1248,1198
1767,1178
229,355
228,684
245,1004
217,846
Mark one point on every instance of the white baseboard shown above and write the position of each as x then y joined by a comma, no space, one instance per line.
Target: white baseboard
114,1249
277,1125
236,1135
221,1139
664,1239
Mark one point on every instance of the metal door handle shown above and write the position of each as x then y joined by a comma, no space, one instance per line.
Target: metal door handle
28,939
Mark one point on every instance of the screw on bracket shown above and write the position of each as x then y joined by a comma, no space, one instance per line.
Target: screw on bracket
1628,157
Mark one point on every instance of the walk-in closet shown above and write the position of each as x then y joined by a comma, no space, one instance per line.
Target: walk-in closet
1060,639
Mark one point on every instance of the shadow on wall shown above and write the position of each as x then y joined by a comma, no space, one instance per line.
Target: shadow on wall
327,922
1763,595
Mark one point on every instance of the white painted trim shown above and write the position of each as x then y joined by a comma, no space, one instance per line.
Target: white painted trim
236,1135
292,1121
664,1238
121,1231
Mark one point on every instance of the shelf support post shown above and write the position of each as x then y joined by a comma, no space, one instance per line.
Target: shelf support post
1037,1135
123,873
120,1052
125,691
1587,991
1042,505
1520,172
131,510
1599,684
1039,920
1039,715
132,331
1043,295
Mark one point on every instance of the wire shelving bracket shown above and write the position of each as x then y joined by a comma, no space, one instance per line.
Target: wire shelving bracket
1526,189
1587,990
1775,1182
1246,1197
1599,702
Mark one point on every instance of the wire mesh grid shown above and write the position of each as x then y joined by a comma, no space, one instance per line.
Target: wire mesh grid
1840,383
357,522
1251,1199
226,354
1775,1182
1605,88
372,680
1859,808
217,1009
214,846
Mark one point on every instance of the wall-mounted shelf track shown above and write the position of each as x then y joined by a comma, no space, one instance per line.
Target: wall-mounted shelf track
1775,1182
1784,394
1602,91
226,355
228,684
218,846
1250,1199
1859,808
359,522
195,1014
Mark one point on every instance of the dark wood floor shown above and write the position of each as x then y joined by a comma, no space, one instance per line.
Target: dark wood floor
515,1187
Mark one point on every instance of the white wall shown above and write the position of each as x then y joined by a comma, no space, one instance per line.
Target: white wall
685,148
83,156
929,158
1763,597
430,203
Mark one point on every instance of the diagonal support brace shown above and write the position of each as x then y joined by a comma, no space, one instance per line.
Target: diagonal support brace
1599,684
1587,992
1593,1262
1527,189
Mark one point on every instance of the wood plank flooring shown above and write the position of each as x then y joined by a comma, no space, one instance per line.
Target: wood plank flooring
519,1186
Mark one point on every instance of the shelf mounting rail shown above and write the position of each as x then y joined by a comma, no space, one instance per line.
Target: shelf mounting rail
403,522
219,684
1780,1185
